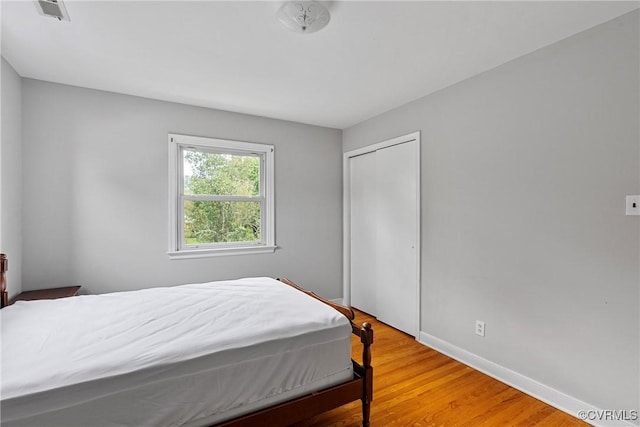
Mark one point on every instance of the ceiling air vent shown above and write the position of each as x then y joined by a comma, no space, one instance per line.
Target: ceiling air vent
52,9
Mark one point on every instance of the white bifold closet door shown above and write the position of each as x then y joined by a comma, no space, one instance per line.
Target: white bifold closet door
364,225
384,234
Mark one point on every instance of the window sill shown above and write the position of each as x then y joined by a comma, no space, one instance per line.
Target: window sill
213,252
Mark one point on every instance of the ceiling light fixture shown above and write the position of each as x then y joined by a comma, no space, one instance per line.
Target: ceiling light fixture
304,16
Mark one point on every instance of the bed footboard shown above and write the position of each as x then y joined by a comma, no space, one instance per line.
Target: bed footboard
4,295
365,333
347,311
365,371
358,388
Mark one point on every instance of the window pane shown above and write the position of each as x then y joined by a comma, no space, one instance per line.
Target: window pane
221,174
220,222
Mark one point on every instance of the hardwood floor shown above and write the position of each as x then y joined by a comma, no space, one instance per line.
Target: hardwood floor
417,386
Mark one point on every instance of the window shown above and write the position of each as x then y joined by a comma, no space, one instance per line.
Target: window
220,197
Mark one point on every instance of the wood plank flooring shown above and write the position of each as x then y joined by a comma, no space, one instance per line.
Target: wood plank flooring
417,386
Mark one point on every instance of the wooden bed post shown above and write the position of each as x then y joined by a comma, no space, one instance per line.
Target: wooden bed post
358,388
366,337
4,295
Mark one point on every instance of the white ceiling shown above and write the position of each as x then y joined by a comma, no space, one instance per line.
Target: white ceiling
234,55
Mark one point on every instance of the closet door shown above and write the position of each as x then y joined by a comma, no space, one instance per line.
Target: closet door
397,236
363,232
384,233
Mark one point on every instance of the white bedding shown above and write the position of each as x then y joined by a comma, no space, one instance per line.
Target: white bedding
186,355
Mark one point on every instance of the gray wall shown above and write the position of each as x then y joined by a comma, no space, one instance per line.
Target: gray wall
525,169
96,197
10,175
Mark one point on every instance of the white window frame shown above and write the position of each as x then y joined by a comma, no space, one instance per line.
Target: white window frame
177,249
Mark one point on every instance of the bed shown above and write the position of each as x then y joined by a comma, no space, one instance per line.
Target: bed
246,352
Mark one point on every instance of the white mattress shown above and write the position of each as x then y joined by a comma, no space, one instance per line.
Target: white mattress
186,355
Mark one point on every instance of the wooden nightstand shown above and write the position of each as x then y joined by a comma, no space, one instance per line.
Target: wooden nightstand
53,293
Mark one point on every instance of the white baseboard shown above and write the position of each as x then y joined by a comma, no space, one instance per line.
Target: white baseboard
549,395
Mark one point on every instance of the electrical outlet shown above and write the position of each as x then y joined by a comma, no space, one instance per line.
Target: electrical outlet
480,328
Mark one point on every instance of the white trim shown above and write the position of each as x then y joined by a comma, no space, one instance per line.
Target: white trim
265,152
228,144
418,160
205,253
384,144
346,232
173,185
346,224
215,198
540,391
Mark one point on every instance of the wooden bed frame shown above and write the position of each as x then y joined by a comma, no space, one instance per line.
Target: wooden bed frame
4,295
360,387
